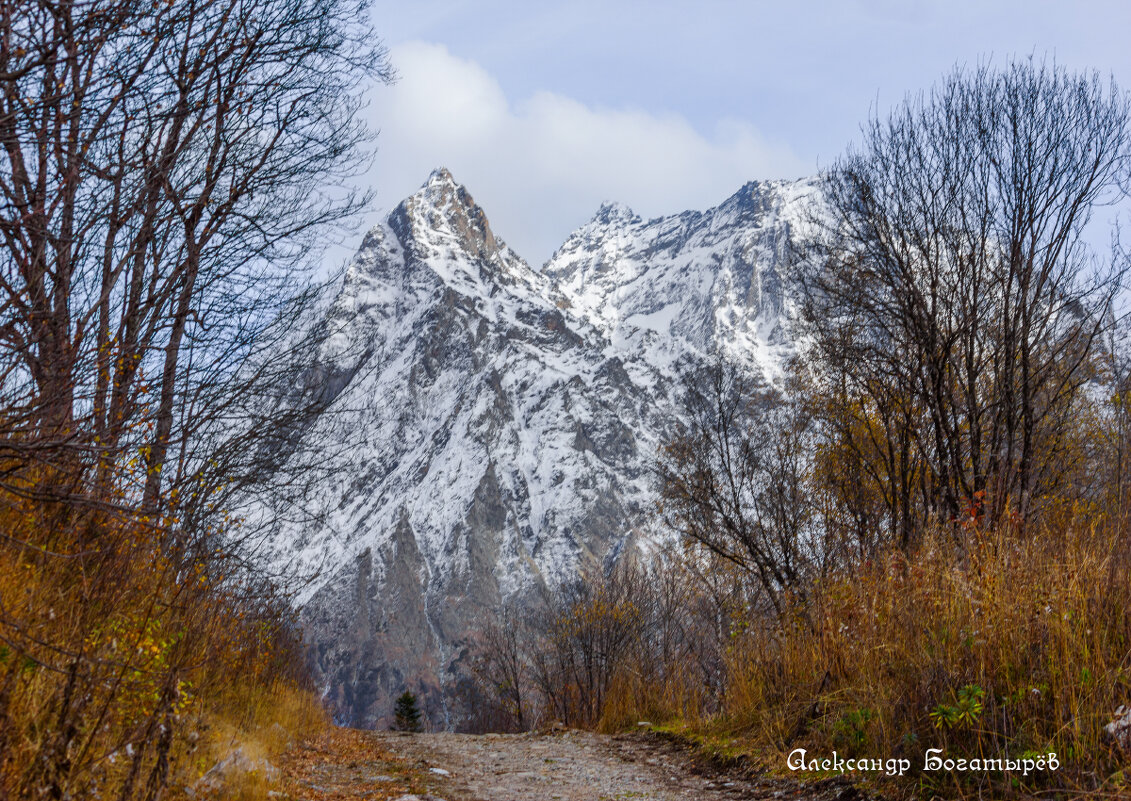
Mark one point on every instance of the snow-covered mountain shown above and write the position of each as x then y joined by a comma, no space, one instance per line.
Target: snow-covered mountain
697,281
508,418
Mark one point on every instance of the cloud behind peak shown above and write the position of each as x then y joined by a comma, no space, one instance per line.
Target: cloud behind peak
542,164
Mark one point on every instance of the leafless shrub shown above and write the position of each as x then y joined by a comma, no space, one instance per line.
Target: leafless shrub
735,478
956,310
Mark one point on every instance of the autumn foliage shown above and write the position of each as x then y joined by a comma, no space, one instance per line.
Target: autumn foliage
159,194
119,653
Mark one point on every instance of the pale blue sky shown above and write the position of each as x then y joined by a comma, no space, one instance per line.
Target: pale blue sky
545,109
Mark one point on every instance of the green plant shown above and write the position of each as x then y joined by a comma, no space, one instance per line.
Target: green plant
964,713
851,729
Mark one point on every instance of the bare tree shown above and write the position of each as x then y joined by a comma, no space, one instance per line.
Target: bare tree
164,171
646,637
590,628
956,309
735,478
502,665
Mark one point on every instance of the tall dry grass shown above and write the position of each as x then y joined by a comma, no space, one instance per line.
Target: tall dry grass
129,668
1019,645
988,644
262,721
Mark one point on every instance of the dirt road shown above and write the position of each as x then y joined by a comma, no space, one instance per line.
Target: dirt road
580,766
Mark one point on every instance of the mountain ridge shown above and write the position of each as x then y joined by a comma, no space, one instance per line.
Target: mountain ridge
508,418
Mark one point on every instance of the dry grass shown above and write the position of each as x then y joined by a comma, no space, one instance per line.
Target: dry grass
124,669
314,760
264,722
1021,646
989,645
634,698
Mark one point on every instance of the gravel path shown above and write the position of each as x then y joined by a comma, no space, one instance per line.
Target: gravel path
580,766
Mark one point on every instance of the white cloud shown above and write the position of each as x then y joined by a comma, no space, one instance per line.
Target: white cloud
542,165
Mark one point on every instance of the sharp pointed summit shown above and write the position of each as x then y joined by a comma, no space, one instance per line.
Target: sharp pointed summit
440,175
441,224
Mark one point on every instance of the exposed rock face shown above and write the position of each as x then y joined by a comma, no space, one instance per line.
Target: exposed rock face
509,418
705,281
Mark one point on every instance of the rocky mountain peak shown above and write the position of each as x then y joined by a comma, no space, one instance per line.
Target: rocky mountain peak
611,213
753,200
443,219
441,176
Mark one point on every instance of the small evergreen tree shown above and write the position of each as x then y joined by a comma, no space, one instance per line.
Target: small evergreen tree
407,713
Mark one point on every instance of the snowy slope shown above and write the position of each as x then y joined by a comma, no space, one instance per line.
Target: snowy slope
707,281
508,418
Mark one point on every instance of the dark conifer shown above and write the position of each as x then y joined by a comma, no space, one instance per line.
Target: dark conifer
407,713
